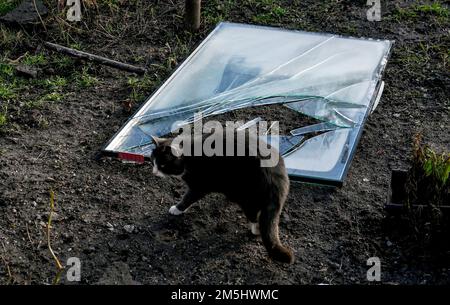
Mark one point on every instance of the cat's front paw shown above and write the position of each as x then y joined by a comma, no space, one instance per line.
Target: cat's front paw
254,227
174,210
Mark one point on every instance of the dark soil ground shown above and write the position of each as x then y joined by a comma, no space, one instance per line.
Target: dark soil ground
114,216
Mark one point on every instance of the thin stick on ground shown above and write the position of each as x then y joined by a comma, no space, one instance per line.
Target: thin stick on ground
29,236
15,61
100,59
52,208
40,18
57,277
6,263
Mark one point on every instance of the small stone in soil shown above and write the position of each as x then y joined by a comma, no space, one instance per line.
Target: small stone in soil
110,226
129,228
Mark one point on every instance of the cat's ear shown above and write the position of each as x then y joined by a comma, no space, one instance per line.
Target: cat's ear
176,150
157,140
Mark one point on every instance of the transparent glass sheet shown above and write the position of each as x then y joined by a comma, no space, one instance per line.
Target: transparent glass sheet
331,78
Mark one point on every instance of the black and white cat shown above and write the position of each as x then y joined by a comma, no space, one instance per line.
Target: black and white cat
260,191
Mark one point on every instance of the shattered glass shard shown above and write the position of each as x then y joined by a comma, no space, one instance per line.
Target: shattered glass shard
313,129
330,78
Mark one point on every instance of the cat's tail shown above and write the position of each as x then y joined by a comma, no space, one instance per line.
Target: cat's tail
268,225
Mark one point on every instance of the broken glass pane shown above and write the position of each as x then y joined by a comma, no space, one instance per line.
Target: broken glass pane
330,78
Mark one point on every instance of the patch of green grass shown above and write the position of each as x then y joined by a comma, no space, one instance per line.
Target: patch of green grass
133,82
34,104
415,11
416,57
138,58
6,71
435,8
140,87
52,97
437,165
405,13
213,20
43,122
7,5
3,116
34,60
43,100
431,171
113,5
349,29
62,62
441,53
55,82
9,38
216,11
76,46
7,91
273,13
85,80
177,52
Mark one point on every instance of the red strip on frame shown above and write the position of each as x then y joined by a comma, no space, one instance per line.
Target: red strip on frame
131,157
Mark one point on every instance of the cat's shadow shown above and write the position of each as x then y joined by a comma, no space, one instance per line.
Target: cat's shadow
205,231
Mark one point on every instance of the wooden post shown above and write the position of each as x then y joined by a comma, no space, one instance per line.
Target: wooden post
61,5
192,14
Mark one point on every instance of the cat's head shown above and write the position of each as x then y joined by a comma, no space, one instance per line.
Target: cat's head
167,160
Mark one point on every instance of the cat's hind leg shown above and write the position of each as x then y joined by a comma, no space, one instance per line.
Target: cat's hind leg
268,221
253,218
189,198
